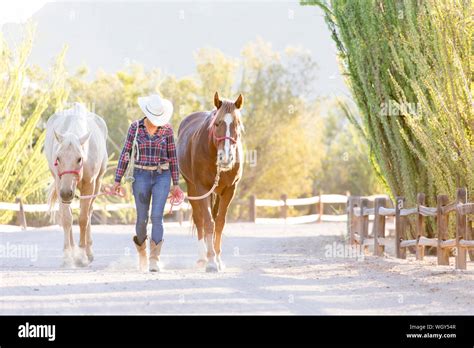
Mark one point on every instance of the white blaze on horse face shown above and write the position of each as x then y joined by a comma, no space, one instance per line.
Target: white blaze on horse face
226,152
68,154
228,121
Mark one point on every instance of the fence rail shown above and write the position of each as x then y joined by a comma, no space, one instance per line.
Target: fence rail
316,214
317,201
358,227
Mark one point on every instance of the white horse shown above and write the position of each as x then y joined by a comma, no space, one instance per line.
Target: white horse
75,147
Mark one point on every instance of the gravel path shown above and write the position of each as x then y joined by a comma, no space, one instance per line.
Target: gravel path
271,269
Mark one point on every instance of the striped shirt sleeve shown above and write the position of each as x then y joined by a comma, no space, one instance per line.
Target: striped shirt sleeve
172,157
126,153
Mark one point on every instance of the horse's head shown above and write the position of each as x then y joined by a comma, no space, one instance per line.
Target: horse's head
226,128
68,161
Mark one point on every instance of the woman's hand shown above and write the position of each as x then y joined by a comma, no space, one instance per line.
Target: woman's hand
116,188
177,196
175,189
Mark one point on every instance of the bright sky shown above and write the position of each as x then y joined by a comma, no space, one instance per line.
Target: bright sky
18,10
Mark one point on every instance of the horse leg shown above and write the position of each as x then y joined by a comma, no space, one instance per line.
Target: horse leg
89,251
198,221
215,205
84,223
65,216
223,202
208,221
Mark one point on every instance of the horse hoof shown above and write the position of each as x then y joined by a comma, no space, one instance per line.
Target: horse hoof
211,268
68,263
221,266
90,254
82,263
68,259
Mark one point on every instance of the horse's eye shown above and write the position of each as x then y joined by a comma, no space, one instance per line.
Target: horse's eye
79,160
217,124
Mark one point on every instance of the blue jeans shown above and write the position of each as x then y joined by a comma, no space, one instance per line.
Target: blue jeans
155,187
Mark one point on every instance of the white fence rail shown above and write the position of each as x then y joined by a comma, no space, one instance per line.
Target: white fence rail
316,214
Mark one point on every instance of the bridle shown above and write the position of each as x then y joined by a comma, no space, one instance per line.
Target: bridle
219,139
77,172
212,132
107,190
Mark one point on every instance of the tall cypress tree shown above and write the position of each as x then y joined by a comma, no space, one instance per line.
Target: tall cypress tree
409,67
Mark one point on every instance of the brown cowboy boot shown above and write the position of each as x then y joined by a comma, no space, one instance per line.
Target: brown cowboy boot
141,249
155,251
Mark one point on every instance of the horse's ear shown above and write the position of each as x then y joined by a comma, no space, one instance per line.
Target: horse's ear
217,101
58,137
239,102
85,138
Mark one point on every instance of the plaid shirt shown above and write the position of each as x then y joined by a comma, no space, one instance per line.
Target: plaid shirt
153,149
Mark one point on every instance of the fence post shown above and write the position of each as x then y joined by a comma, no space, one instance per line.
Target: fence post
442,230
321,206
364,224
355,221
350,219
252,208
461,262
420,227
470,236
284,207
399,227
314,207
379,226
21,217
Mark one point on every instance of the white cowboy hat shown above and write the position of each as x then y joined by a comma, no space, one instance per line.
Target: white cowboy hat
158,110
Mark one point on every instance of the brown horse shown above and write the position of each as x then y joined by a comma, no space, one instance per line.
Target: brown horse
210,159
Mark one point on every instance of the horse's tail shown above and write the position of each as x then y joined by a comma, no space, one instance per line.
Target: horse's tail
52,199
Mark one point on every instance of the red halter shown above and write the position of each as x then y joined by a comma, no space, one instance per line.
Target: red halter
219,139
75,172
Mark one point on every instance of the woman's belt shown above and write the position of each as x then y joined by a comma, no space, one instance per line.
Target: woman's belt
162,166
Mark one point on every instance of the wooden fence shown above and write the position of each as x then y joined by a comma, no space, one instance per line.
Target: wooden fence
358,216
316,204
284,203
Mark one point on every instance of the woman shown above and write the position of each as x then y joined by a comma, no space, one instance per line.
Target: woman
155,166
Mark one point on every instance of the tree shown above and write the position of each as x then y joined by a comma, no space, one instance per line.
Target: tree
23,168
281,121
215,72
409,67
345,165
